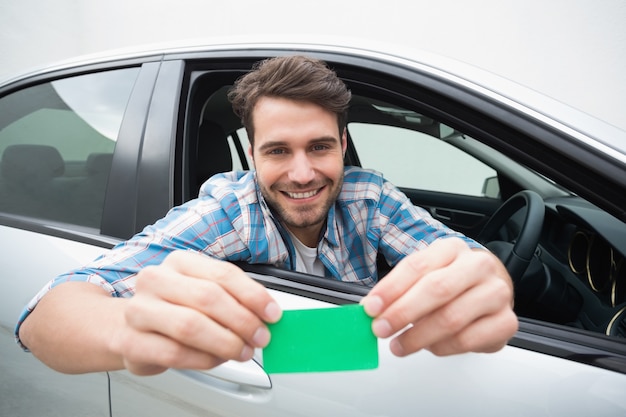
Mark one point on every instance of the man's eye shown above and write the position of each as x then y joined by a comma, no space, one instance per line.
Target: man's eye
276,152
320,147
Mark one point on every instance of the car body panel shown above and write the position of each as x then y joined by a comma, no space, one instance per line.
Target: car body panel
480,384
28,387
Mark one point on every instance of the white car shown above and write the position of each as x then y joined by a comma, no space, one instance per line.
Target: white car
92,152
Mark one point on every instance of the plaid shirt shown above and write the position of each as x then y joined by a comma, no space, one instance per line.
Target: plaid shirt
230,220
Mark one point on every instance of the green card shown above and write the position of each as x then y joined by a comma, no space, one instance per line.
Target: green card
321,340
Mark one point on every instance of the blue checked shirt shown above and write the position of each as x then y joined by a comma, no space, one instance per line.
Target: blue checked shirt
231,221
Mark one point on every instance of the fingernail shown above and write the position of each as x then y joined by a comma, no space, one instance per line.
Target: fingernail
373,305
396,348
273,312
381,328
246,353
261,337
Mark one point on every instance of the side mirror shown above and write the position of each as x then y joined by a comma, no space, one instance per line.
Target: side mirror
491,187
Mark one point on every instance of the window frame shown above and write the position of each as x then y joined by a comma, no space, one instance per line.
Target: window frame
116,204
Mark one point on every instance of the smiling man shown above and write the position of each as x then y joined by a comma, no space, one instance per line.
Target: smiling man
165,298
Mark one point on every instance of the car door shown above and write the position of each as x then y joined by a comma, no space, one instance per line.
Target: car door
64,137
547,369
528,380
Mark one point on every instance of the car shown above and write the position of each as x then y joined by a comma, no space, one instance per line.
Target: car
94,150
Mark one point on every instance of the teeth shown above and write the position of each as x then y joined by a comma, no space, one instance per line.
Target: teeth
302,195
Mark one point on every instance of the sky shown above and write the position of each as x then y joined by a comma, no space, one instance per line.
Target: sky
571,50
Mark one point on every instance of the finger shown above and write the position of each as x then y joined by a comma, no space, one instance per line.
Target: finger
453,318
479,337
185,327
409,271
206,297
248,292
430,293
152,353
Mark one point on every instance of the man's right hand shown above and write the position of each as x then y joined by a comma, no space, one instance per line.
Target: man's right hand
193,312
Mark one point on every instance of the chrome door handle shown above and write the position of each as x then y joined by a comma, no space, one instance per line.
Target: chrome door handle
249,373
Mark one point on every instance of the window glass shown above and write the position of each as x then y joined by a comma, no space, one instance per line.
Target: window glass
242,136
413,159
56,146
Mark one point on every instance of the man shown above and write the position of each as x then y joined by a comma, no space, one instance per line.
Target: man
301,209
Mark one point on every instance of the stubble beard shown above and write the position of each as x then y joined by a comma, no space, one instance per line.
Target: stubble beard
306,215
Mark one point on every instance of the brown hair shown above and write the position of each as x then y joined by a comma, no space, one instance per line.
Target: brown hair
292,77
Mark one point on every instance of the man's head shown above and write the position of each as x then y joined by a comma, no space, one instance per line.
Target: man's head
294,109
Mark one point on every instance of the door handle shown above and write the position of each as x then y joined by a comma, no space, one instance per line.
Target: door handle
249,373
441,214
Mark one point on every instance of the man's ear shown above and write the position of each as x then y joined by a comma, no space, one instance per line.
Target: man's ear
344,142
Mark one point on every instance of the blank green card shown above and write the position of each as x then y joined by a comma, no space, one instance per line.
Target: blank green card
321,340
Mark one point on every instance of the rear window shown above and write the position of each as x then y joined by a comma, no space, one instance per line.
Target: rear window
57,141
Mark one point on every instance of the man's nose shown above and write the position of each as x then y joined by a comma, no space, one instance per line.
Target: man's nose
301,170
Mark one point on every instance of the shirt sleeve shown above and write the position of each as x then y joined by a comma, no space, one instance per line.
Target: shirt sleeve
196,225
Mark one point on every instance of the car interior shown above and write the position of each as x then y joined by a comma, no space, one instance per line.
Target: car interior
54,164
35,179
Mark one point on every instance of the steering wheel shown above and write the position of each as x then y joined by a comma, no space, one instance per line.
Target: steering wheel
516,256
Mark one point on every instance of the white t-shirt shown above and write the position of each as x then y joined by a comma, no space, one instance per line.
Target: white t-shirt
306,258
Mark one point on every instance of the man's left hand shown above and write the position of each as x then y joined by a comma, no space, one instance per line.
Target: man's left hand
447,299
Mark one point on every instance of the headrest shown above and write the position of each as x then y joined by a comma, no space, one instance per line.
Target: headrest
213,151
31,163
99,163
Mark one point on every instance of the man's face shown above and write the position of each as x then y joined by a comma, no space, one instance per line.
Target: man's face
298,155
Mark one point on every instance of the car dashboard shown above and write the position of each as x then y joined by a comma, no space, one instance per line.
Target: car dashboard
583,250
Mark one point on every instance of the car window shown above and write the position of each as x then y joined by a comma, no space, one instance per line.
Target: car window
56,146
442,167
240,136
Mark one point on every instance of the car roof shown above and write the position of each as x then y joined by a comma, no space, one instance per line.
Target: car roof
591,131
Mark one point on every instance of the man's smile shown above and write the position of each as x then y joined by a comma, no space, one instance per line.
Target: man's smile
302,195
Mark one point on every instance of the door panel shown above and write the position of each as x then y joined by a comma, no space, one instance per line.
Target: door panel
473,384
466,214
30,388
27,386
479,384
